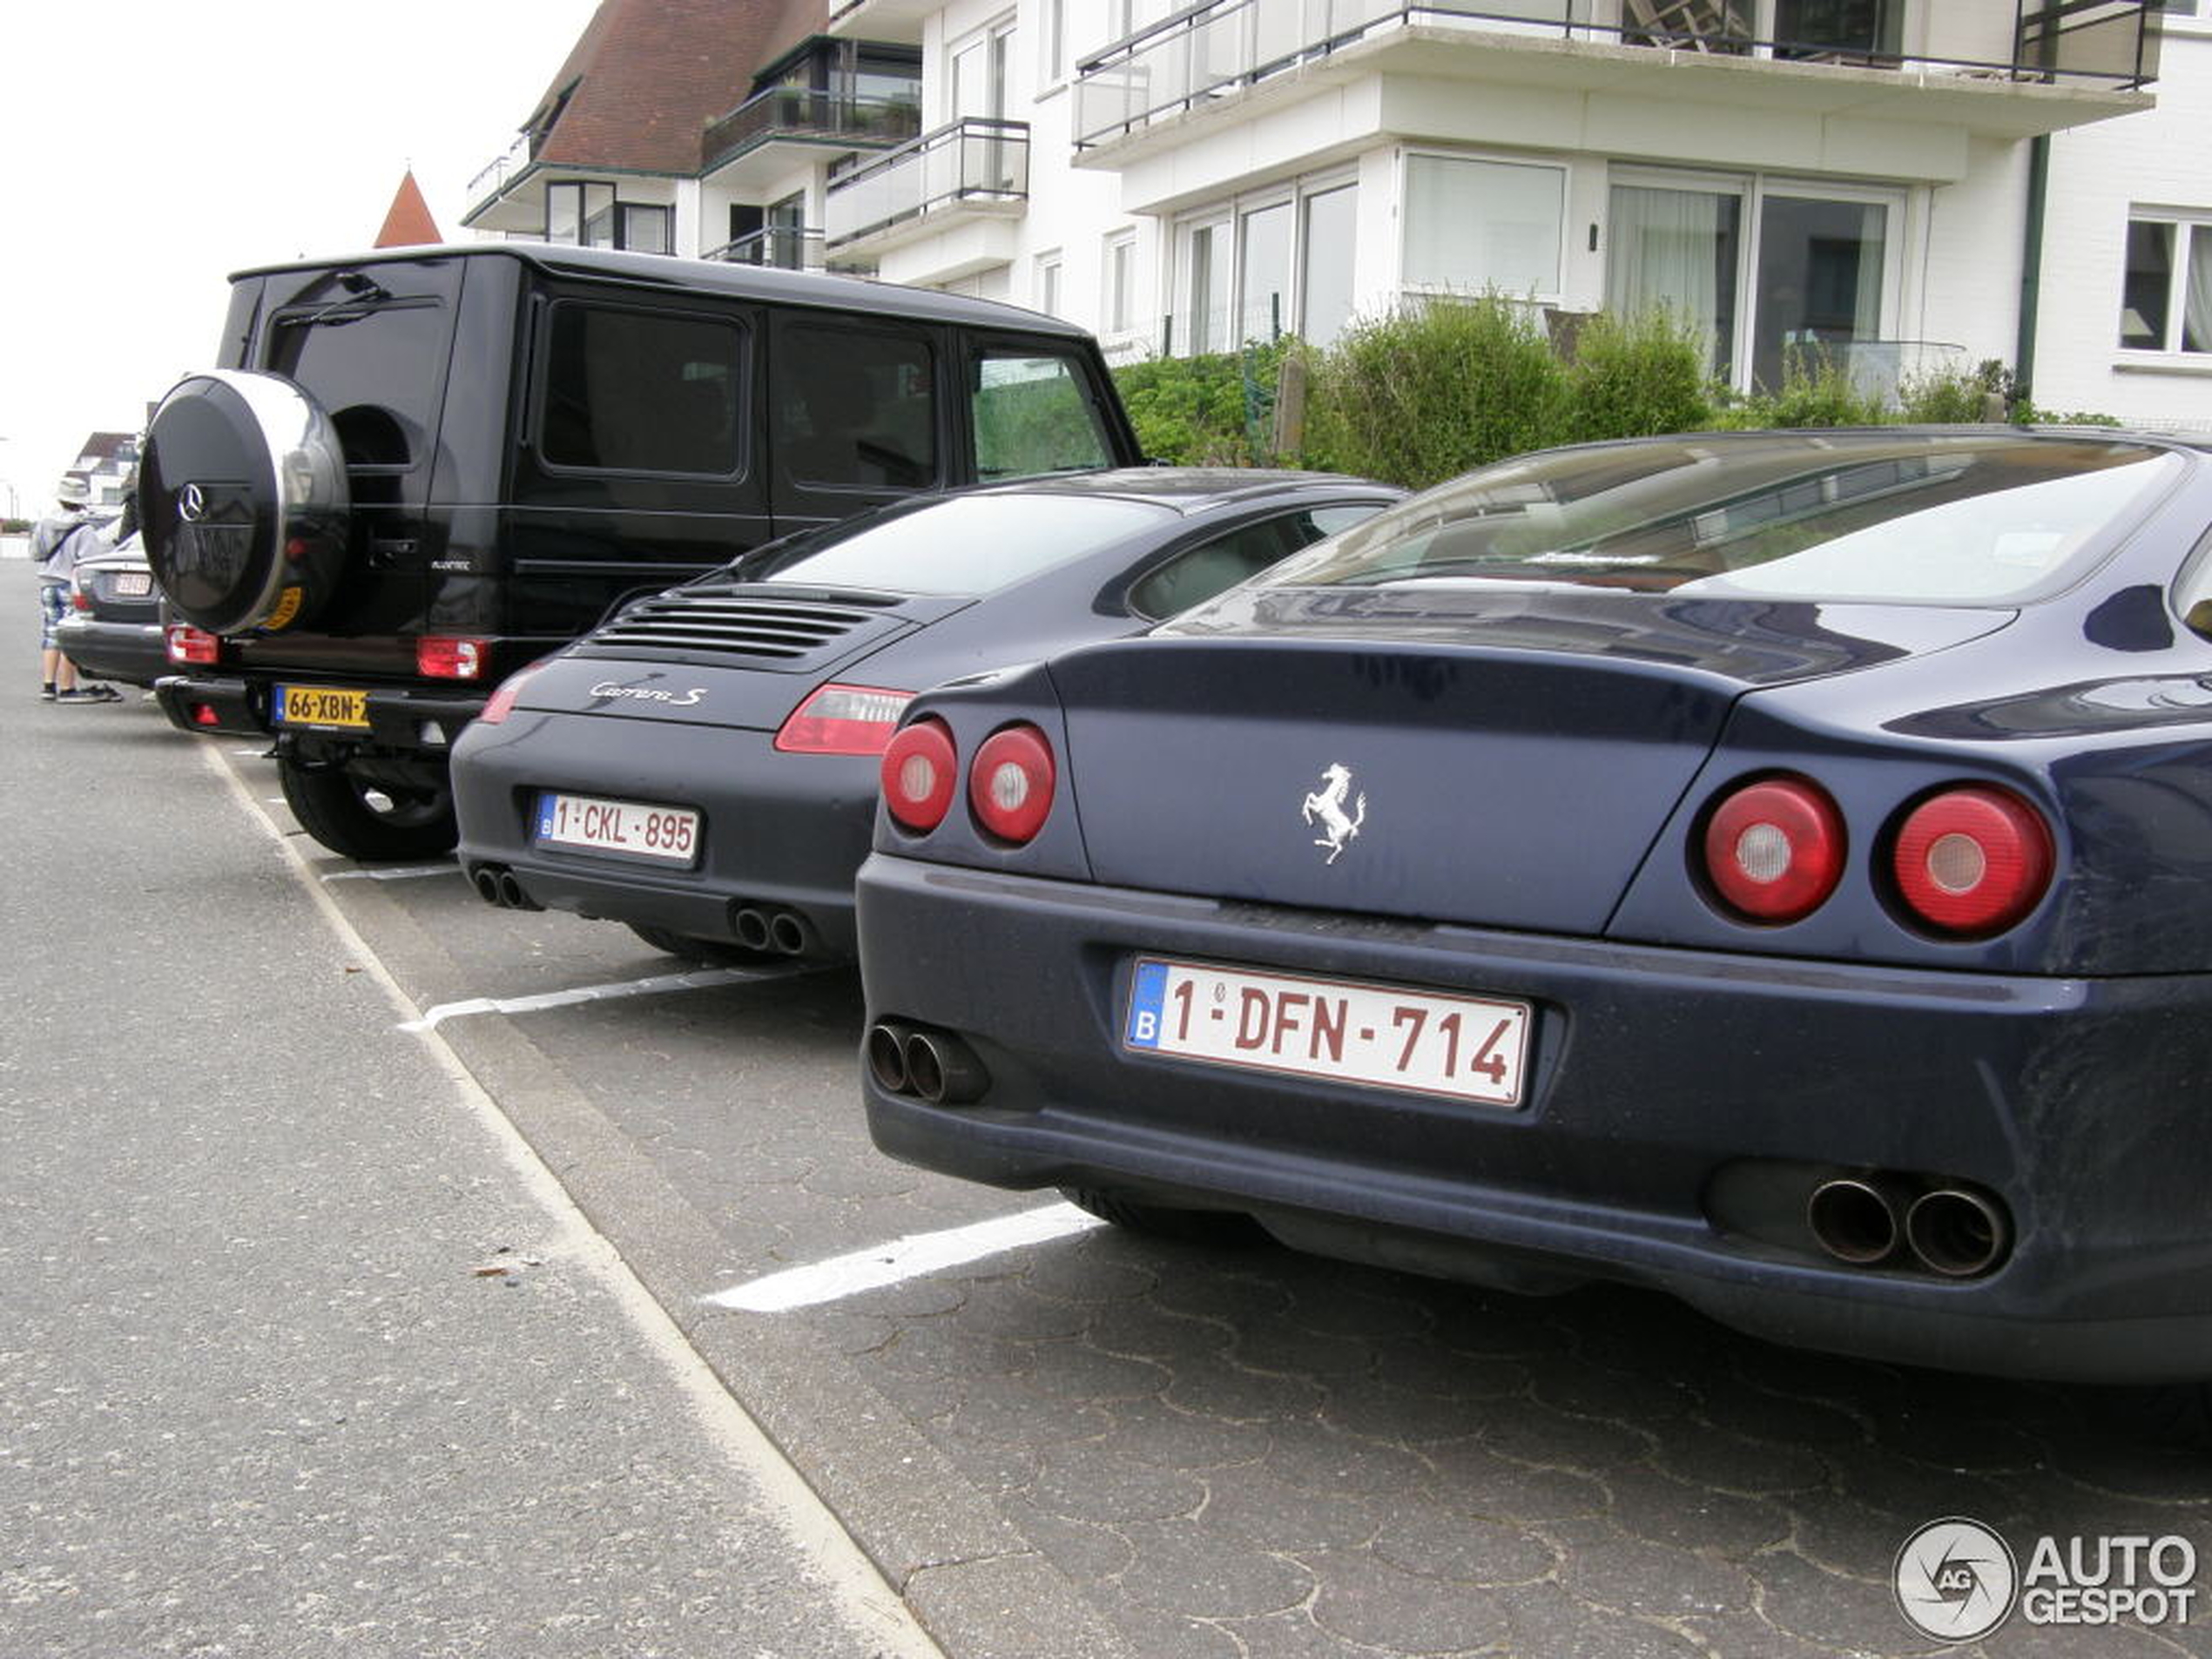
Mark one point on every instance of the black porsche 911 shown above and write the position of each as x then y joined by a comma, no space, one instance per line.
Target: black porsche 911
703,766
1773,867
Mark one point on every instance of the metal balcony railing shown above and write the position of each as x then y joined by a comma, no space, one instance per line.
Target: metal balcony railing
786,247
800,112
513,161
1216,49
974,161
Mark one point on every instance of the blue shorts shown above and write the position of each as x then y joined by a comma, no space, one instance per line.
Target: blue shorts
53,606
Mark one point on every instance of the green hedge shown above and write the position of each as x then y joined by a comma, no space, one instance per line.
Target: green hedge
1446,385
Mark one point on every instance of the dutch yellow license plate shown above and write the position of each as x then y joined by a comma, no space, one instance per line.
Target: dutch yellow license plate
330,707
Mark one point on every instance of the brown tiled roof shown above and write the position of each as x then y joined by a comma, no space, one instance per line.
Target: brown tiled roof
408,222
647,76
104,446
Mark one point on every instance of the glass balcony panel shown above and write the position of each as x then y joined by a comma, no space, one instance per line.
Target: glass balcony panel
972,160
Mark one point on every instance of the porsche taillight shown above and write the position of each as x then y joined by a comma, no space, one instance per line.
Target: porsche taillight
843,720
921,772
1971,860
503,700
1010,782
1774,849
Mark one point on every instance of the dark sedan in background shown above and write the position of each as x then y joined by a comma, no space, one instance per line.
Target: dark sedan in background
112,631
702,767
1769,867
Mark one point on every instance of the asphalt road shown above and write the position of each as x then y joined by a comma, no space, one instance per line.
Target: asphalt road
252,1393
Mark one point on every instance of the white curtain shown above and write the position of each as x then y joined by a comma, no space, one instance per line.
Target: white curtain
2196,331
1665,254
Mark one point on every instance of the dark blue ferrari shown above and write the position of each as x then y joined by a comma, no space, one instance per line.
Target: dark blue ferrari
1773,867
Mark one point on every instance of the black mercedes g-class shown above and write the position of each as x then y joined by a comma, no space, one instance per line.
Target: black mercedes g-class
417,470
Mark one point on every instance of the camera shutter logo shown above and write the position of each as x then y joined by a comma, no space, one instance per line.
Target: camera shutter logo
1956,1579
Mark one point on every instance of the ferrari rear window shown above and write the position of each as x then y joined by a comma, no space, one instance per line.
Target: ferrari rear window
1995,518
966,544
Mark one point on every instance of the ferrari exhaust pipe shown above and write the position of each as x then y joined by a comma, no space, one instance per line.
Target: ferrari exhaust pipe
885,1050
942,1069
1957,1232
485,880
511,893
750,927
1855,1219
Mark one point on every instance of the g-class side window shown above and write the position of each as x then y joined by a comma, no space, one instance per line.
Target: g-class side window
643,391
1034,412
856,408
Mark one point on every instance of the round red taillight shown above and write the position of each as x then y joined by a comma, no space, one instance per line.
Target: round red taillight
1971,860
1010,784
1774,850
921,770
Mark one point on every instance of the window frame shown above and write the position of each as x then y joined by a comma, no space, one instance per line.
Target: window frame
1562,168
2187,224
742,433
1231,215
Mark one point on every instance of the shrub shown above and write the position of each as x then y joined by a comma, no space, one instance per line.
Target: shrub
1215,410
1428,393
1816,390
1635,377
1957,397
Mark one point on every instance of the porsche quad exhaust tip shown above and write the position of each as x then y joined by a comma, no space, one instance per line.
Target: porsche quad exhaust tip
1956,1232
497,885
1949,1230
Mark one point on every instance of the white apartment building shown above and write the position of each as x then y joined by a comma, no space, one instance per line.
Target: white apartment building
1911,184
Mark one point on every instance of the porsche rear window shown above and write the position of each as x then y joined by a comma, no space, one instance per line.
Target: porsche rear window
1950,519
968,545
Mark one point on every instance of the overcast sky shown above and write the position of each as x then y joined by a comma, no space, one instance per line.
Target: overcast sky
150,147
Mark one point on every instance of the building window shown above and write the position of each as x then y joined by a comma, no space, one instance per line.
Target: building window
2165,298
1119,310
981,77
1763,273
1046,286
587,215
1473,226
1263,269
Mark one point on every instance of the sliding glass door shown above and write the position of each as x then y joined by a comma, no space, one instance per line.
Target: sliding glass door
1758,270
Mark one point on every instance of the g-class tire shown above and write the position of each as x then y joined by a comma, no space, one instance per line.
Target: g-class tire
336,808
243,502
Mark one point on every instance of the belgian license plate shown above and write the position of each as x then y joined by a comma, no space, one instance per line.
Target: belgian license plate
1469,1049
321,705
670,833
133,584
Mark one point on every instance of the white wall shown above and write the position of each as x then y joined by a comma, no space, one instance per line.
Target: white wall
2161,158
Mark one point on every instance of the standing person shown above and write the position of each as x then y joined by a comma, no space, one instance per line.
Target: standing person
58,540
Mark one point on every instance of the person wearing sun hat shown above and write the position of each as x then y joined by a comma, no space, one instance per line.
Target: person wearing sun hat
58,540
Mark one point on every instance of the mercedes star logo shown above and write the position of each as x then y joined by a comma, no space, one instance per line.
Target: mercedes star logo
191,504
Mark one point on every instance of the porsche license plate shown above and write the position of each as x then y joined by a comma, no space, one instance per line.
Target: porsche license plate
332,706
1467,1048
633,828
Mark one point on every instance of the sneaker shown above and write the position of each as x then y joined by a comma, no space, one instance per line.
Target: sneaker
79,694
47,694
106,693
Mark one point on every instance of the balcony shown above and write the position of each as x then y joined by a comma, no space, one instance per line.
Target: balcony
781,248
975,168
743,148
2004,67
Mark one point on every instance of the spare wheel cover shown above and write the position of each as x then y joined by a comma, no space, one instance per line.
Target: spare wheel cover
242,499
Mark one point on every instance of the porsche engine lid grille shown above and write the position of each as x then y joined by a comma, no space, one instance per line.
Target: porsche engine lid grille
749,623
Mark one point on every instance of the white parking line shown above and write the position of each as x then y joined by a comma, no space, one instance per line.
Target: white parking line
408,873
698,980
902,1258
